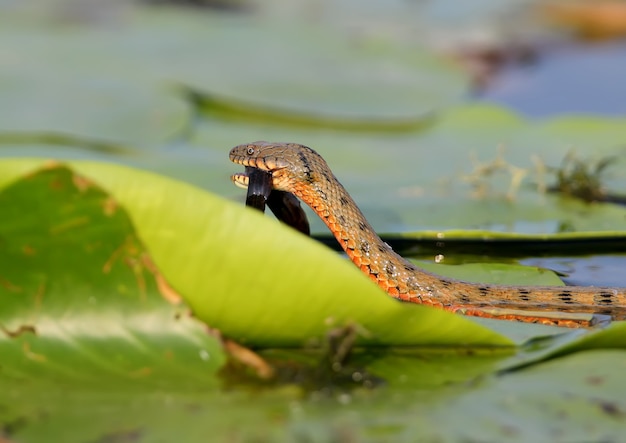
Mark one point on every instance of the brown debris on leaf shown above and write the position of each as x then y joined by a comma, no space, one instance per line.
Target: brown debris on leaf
81,182
165,289
242,356
22,329
109,206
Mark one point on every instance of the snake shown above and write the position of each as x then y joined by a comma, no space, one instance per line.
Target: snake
302,172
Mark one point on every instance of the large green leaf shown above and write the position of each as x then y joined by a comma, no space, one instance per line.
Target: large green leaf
255,280
79,297
578,398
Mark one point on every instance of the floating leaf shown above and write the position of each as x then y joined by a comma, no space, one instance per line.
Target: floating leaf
257,281
81,298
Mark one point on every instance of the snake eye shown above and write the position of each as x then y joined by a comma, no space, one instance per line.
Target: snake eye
250,150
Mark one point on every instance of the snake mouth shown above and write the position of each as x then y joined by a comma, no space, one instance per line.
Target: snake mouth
240,179
255,177
257,163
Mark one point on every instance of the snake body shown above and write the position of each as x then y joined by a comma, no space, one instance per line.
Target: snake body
301,171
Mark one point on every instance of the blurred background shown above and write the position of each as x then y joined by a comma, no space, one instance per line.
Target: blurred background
435,114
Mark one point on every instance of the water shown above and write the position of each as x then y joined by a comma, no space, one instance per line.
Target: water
581,79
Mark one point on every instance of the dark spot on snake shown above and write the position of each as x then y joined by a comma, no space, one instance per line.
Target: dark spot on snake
445,283
390,269
342,219
305,161
464,298
523,292
343,200
524,297
410,267
566,297
605,295
381,248
306,168
322,195
605,301
362,226
483,290
364,247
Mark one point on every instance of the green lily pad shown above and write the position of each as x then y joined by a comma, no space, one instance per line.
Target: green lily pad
580,397
57,80
541,348
80,296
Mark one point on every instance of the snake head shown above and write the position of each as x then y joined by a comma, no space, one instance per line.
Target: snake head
289,163
261,155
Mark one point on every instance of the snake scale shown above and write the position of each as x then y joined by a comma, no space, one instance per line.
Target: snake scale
301,171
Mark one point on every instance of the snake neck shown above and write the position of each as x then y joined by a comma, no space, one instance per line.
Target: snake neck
395,275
